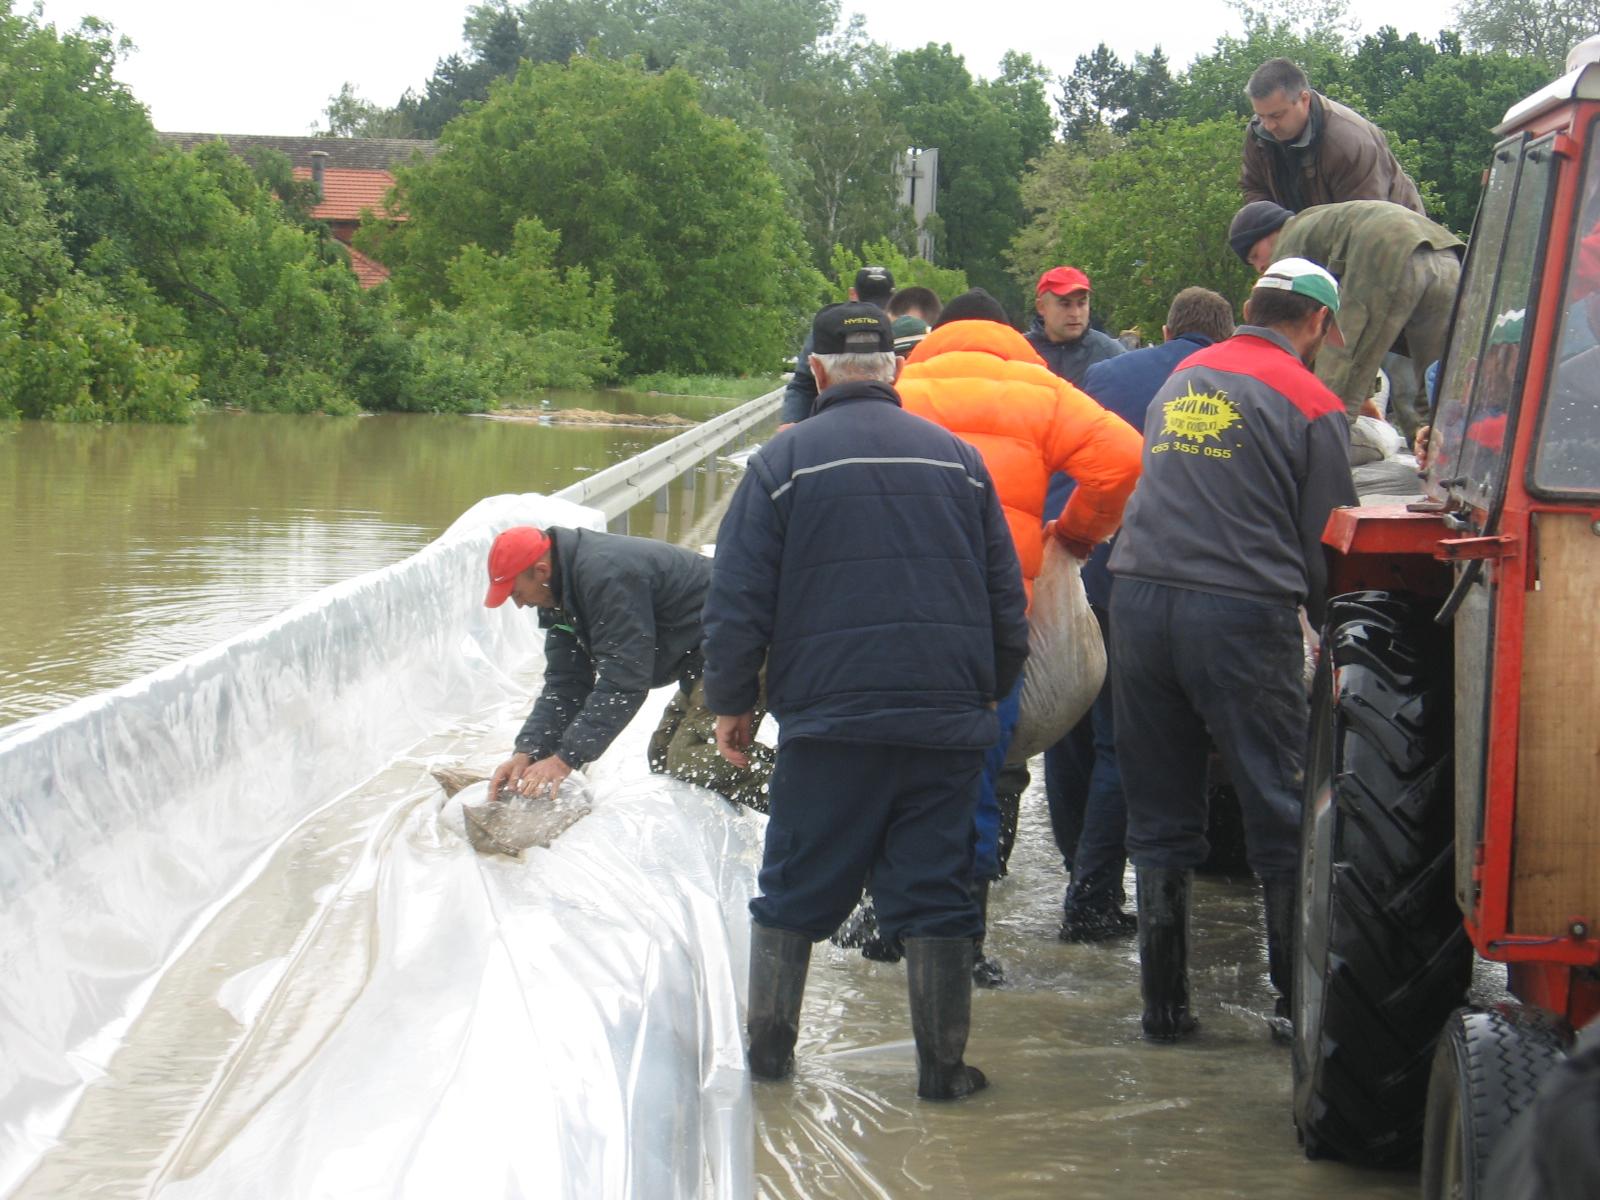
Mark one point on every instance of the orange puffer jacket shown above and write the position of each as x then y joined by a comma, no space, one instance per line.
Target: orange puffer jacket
983,382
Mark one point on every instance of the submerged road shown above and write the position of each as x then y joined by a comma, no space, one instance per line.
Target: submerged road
1079,1104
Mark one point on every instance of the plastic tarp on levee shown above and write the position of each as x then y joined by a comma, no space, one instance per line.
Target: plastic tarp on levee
247,950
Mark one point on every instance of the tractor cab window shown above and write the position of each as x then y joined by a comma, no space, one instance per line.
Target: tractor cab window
1566,454
1484,365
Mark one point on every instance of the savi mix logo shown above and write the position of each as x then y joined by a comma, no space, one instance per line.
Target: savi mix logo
1194,423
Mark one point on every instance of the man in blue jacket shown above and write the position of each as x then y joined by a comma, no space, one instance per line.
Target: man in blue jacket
1061,332
866,560
1081,779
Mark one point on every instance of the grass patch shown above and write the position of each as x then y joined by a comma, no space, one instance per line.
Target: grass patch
729,387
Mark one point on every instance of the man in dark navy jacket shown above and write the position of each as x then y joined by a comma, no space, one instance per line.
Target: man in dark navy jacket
1081,779
866,560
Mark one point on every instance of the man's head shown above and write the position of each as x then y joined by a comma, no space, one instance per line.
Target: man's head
973,305
916,302
1062,301
1253,232
852,341
519,569
1281,95
1299,300
1200,311
873,285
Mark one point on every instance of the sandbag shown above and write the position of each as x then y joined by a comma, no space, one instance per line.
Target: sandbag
511,824
1066,656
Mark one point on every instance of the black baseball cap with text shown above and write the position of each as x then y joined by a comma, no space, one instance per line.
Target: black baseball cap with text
852,328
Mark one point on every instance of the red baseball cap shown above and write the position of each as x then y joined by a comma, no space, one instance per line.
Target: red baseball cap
513,552
1062,281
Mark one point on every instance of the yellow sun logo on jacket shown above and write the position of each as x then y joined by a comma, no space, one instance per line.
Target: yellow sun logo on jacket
1199,415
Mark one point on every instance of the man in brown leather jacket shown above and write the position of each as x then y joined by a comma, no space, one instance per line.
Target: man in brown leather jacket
1303,149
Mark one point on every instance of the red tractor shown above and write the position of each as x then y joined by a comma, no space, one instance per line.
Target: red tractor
1452,812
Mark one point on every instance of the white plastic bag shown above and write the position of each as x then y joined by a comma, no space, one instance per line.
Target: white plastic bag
1066,656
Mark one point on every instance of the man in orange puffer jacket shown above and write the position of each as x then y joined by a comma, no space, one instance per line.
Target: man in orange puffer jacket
977,377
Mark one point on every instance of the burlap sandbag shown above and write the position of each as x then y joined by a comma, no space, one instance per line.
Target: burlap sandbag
1066,656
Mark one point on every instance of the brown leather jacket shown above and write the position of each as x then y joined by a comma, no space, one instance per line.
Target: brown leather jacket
1342,156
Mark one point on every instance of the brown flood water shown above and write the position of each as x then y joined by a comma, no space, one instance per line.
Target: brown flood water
127,547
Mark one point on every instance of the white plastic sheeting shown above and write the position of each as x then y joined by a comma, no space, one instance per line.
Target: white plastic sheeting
565,1030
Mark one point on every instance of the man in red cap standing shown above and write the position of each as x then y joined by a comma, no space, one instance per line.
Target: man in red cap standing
621,616
1061,332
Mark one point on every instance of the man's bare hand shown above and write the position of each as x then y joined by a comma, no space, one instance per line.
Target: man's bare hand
734,735
543,777
508,772
1419,446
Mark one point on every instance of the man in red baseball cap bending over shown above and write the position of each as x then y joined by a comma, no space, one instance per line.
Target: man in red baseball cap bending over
621,616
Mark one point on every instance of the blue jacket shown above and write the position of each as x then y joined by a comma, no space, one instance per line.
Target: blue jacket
800,393
1124,384
1071,359
865,556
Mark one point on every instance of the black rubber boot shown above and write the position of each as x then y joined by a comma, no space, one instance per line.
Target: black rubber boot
986,972
1278,898
939,979
778,963
1164,952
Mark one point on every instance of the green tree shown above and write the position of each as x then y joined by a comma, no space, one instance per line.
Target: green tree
349,115
1448,117
678,208
1092,97
843,264
1149,218
982,151
33,261
1539,29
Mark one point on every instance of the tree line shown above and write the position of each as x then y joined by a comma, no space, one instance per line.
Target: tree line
630,186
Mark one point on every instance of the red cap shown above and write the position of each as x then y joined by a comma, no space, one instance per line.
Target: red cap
1062,281
513,552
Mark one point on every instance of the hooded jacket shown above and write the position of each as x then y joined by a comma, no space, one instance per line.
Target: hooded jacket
628,621
984,383
1340,156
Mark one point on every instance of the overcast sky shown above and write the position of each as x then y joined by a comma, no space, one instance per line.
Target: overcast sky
230,68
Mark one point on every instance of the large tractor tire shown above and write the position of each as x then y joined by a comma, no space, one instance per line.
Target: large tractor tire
1486,1070
1381,957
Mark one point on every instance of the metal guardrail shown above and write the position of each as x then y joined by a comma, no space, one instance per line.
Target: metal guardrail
618,488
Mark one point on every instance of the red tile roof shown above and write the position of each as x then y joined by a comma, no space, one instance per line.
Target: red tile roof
369,272
346,192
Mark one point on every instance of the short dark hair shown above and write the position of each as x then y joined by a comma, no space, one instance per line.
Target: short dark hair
1200,310
973,305
874,285
1277,75
1273,306
916,301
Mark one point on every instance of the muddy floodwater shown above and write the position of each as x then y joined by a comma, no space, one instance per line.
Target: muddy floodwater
1079,1105
129,546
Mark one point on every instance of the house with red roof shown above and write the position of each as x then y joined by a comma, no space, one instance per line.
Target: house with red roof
353,178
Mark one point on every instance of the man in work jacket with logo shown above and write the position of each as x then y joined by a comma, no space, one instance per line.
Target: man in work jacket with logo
865,559
621,616
1245,455
979,378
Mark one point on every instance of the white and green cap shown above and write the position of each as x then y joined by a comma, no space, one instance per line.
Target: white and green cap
1305,278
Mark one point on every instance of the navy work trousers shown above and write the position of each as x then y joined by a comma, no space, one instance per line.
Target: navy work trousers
1083,785
1188,664
840,812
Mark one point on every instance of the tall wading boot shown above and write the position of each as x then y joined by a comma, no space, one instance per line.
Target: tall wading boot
939,980
778,963
1164,952
986,972
1278,898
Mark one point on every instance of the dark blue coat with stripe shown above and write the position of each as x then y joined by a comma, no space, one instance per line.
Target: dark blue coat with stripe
866,557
